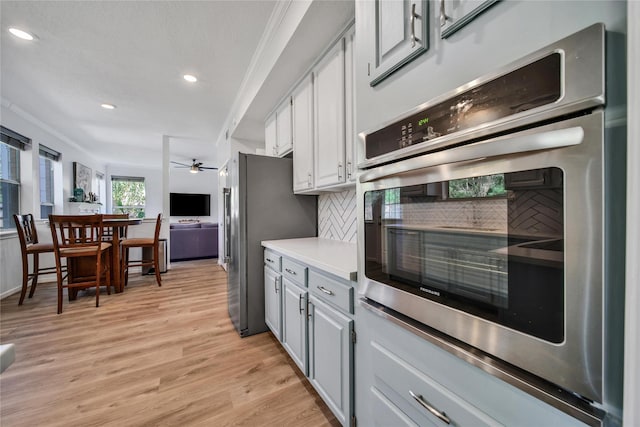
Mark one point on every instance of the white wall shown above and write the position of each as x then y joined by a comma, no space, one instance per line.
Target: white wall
20,121
152,183
204,182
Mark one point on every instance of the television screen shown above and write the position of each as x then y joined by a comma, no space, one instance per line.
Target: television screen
189,204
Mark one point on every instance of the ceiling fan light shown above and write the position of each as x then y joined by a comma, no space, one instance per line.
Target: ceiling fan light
21,34
193,169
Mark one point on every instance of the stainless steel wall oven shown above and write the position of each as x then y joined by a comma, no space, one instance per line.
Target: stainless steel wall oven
483,215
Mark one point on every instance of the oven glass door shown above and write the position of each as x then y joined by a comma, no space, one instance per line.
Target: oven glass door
491,246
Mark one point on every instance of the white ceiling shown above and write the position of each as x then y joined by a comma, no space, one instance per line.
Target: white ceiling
132,54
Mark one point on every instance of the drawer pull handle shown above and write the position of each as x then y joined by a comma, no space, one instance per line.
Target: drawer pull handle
441,415
325,290
290,271
269,259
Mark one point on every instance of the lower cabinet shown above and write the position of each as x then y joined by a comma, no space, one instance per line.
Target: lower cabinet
331,357
317,329
272,301
404,380
294,323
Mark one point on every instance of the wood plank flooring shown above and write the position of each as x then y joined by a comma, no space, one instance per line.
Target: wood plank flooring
151,356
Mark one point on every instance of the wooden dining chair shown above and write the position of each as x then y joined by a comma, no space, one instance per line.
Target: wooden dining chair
107,232
136,242
29,245
77,237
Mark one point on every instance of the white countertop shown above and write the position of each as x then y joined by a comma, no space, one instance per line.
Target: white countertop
333,256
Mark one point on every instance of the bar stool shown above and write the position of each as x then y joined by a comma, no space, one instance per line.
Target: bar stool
145,242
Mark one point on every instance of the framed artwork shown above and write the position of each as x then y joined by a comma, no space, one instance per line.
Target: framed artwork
81,178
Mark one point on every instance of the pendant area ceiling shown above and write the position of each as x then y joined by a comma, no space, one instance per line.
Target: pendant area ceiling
132,54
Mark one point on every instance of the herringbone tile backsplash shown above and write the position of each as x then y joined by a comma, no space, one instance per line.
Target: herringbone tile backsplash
337,217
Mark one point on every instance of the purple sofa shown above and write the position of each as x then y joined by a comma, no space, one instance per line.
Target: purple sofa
193,241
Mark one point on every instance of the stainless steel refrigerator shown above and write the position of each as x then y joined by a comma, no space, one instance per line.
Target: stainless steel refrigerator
259,205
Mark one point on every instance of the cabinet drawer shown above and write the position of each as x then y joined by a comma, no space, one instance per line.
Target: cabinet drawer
385,413
294,271
331,291
414,392
273,260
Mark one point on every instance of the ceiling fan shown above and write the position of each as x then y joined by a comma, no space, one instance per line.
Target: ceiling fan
194,167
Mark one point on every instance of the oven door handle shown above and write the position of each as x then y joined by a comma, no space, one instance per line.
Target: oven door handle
529,140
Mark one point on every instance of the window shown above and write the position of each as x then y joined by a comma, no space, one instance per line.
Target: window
128,196
47,157
10,145
102,189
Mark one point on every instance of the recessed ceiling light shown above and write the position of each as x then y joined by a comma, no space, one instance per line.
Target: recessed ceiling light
190,78
21,34
108,106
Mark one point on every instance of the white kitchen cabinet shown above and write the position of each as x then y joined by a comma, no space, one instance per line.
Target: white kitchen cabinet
329,118
278,141
284,141
294,322
273,292
401,34
331,357
302,127
270,136
400,374
351,156
272,301
454,14
317,327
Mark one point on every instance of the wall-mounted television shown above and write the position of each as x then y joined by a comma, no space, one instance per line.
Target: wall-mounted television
189,204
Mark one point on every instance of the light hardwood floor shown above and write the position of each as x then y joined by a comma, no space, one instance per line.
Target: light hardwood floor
151,356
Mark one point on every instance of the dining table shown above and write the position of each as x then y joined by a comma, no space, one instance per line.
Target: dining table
118,225
78,270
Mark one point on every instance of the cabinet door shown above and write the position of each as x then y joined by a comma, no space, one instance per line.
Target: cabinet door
294,323
401,34
303,135
284,143
272,302
349,115
454,14
330,357
270,133
328,97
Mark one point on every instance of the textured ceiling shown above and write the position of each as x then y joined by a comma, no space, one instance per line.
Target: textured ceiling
132,54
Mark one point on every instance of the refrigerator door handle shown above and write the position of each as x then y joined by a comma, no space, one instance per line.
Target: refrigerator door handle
227,224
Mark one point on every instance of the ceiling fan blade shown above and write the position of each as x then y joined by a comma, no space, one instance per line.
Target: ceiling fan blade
205,167
181,164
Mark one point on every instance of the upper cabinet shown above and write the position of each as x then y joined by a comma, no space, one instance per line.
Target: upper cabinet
401,34
278,140
302,127
351,155
284,143
454,14
329,129
270,133
319,120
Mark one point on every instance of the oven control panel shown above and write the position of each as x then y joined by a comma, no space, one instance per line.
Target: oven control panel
535,84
